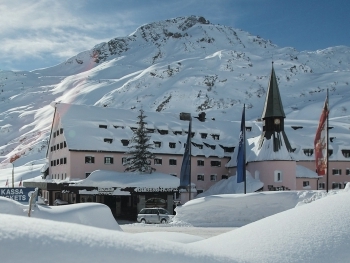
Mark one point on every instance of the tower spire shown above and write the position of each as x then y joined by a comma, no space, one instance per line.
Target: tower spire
273,116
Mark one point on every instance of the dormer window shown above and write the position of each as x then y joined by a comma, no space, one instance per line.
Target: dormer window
172,145
308,152
296,127
163,132
157,144
150,130
108,140
102,126
177,132
116,126
210,146
204,135
134,129
228,149
346,153
248,128
125,142
215,136
330,152
331,139
200,146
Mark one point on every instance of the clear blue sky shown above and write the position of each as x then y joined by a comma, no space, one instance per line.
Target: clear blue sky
42,33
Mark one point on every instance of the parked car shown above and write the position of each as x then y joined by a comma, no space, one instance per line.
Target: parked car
154,215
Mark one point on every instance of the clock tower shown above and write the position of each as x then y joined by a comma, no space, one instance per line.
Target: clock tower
273,117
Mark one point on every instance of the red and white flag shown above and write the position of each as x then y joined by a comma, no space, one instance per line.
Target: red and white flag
321,141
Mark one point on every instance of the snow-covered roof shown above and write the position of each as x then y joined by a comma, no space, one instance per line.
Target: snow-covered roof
303,172
102,178
86,128
301,134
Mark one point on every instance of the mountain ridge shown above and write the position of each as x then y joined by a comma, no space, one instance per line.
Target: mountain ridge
181,64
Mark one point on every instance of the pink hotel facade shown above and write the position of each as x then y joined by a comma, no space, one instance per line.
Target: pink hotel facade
279,153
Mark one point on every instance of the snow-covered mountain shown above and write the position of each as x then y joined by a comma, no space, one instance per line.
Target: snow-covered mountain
185,64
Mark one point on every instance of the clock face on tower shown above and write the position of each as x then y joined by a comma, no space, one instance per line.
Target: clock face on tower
277,121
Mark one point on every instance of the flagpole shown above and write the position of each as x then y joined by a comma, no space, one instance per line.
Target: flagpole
244,154
327,147
190,152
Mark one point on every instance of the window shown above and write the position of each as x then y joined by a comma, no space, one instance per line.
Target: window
57,146
172,145
157,144
108,160
158,161
163,132
61,145
172,162
61,161
51,163
64,144
336,185
64,160
54,134
174,175
54,162
204,135
346,153
102,126
89,159
278,176
215,163
321,185
61,130
213,177
125,142
199,191
200,177
177,132
224,176
87,175
347,171
58,132
51,148
308,152
336,171
108,140
200,162
54,147
124,160
215,136
306,183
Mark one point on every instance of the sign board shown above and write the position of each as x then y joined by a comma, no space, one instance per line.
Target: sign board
19,194
105,190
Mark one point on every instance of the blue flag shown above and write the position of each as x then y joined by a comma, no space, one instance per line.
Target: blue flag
241,151
185,174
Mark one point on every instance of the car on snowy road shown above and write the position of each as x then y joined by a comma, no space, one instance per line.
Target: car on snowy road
154,215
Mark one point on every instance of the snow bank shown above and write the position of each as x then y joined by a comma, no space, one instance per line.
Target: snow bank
316,232
235,210
40,241
89,214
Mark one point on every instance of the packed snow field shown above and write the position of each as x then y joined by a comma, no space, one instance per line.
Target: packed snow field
306,226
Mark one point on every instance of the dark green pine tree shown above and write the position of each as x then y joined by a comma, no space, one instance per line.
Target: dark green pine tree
139,155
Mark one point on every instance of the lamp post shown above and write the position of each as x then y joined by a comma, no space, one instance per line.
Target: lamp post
13,175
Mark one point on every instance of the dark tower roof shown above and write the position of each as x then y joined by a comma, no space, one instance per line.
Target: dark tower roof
273,116
273,104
